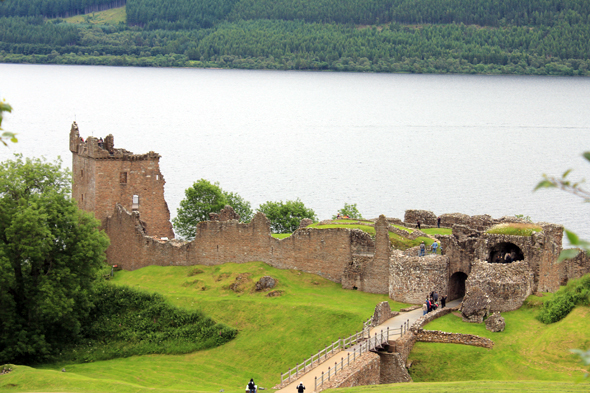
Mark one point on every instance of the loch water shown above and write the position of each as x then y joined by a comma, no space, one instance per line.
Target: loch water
472,144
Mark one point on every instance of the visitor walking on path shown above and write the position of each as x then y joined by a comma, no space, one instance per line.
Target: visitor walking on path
252,386
422,249
300,387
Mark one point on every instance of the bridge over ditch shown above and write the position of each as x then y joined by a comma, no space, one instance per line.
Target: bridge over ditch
343,353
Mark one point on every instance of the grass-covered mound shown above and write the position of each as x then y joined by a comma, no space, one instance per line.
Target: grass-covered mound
397,241
527,350
514,229
576,292
127,322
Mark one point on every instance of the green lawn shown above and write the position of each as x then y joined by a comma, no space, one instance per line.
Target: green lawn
274,333
526,350
108,17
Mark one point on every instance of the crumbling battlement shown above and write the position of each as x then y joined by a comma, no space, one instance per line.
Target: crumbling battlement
412,279
104,176
126,192
507,285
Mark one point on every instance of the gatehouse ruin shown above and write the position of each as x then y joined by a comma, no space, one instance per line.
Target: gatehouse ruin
125,191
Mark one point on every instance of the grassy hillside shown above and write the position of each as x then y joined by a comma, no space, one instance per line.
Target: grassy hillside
526,350
533,37
108,17
277,332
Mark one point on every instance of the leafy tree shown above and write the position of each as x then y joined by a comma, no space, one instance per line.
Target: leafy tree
575,188
240,205
200,200
349,210
6,135
50,253
286,217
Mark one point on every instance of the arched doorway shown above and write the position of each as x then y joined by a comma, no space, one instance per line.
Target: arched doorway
499,251
457,286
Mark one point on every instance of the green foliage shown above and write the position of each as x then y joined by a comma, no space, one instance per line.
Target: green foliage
563,49
349,210
127,322
515,229
523,217
200,200
575,188
240,205
50,255
575,293
285,217
203,198
6,135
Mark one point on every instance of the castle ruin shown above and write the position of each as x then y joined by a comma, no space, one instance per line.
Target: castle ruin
126,192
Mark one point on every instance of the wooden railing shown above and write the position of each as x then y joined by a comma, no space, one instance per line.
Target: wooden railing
362,339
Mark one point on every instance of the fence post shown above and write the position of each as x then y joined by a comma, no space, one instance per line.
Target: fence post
304,365
315,385
326,353
354,355
328,373
348,359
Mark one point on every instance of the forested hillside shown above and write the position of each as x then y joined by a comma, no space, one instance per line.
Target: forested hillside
432,36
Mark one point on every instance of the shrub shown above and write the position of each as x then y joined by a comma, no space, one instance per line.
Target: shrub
575,293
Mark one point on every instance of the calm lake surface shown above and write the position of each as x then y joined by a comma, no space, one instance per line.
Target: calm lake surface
446,143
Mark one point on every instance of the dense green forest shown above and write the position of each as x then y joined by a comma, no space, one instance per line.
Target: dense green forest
468,36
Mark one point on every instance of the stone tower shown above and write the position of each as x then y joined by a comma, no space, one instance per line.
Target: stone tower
103,176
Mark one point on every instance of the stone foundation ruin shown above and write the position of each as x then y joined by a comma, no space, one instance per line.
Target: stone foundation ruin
126,192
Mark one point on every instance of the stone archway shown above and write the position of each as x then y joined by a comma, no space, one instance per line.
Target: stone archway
456,286
498,252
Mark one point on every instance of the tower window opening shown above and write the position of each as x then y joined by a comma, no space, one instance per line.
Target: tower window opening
123,178
135,202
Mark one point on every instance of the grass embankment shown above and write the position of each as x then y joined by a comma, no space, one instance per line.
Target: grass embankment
275,333
514,229
397,241
527,350
108,17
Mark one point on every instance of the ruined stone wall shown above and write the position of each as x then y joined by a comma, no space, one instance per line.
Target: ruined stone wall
352,275
376,271
426,217
325,252
437,336
540,251
403,345
104,176
382,313
365,371
411,279
361,242
574,268
393,369
507,285
131,248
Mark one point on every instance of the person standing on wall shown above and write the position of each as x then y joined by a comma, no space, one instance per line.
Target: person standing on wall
418,224
438,221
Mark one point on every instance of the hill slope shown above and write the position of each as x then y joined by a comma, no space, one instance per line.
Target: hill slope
277,332
477,36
